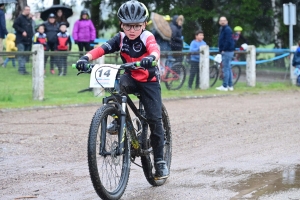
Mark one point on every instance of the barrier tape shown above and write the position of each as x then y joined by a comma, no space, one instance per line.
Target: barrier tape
258,61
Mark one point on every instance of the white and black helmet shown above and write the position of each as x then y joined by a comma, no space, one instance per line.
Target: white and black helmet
133,12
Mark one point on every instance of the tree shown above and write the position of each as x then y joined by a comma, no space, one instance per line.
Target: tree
260,19
19,7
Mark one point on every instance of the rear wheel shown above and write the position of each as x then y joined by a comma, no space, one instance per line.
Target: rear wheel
109,172
213,75
236,73
148,161
175,76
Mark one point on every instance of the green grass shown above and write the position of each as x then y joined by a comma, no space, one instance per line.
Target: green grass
16,90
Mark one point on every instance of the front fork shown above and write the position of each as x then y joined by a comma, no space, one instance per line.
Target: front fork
121,132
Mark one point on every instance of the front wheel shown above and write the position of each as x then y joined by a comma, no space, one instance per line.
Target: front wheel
148,161
175,76
236,73
109,172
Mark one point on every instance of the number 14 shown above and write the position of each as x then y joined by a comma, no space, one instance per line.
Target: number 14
106,73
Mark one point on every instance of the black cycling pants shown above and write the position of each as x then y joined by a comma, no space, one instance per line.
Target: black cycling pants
150,96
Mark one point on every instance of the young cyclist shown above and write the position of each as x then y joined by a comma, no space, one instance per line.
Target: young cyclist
137,44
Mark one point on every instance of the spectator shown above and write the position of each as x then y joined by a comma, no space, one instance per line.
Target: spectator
40,36
32,22
24,34
296,64
239,40
163,44
84,32
10,46
60,17
238,37
51,30
3,30
176,39
226,48
195,59
296,58
63,44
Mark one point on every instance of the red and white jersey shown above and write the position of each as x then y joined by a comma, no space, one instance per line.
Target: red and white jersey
132,51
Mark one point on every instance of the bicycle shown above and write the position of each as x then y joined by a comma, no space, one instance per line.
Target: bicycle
216,72
110,153
174,76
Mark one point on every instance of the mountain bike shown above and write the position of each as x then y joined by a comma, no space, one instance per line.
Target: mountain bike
110,153
216,72
174,76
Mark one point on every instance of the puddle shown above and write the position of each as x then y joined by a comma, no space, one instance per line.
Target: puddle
268,183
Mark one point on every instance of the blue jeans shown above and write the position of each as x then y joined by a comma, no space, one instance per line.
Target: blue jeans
22,58
227,73
12,60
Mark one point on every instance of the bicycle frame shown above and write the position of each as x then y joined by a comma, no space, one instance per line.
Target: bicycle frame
123,101
165,72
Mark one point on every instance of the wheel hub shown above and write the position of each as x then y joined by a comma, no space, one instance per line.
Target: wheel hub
114,158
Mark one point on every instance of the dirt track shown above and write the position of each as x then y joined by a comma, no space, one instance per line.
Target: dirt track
229,147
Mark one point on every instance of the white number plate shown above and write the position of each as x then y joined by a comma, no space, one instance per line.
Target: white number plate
105,74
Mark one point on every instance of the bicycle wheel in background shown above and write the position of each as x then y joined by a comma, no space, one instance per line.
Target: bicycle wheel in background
236,73
109,172
175,76
148,161
213,75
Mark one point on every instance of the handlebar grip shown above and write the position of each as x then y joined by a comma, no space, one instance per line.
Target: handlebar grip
138,64
88,65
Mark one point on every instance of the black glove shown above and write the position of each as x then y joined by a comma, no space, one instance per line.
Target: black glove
81,64
146,62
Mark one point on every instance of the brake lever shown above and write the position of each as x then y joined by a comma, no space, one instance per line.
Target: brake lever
82,72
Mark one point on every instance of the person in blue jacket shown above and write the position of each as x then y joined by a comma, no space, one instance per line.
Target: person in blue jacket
195,58
296,64
226,48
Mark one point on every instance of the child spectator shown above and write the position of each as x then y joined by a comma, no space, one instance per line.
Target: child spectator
10,46
63,44
40,36
195,59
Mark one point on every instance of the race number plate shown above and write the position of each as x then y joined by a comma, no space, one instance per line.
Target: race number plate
104,75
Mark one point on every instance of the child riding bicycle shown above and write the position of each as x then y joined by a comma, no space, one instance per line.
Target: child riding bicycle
137,44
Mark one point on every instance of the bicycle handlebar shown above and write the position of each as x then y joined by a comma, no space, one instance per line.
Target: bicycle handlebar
132,65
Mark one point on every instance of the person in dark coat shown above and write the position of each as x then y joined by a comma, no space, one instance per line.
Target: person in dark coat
60,17
51,30
24,34
176,38
226,48
3,30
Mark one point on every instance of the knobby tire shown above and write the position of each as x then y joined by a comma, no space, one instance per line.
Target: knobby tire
110,173
148,161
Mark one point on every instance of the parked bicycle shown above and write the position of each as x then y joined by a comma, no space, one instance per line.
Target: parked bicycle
216,72
172,74
110,153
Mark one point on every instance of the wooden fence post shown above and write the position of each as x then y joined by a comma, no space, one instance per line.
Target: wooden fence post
251,66
204,67
38,72
98,92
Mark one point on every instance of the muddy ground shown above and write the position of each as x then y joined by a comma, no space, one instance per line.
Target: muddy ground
224,147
